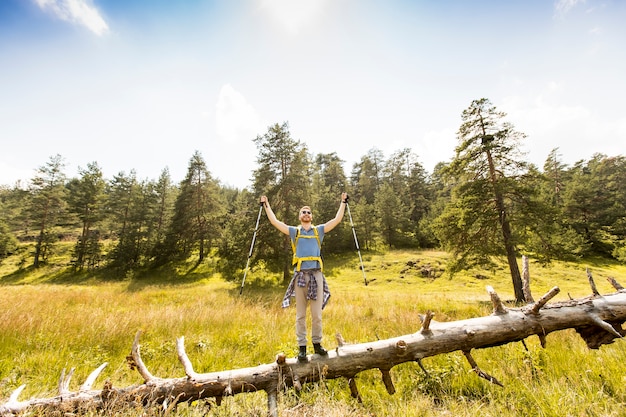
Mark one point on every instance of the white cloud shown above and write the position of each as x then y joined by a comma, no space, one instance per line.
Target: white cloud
293,15
81,12
235,119
563,7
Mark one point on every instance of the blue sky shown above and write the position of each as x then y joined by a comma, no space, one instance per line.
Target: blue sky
143,84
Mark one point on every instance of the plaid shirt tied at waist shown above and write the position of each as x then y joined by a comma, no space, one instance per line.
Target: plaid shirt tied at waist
300,280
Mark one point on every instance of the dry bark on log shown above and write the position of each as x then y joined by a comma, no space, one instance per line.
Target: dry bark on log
598,319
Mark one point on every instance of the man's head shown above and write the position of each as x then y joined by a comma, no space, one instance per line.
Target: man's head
305,215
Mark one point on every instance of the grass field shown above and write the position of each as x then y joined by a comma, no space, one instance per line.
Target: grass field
49,323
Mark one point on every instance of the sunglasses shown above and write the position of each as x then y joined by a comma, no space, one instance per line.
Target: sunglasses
305,212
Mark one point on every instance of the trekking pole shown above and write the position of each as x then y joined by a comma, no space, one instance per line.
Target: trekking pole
251,248
356,242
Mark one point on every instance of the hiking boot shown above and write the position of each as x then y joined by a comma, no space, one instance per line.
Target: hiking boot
317,347
302,354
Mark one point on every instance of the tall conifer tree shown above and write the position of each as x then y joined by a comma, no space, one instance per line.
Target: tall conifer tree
198,213
86,200
47,205
284,175
476,224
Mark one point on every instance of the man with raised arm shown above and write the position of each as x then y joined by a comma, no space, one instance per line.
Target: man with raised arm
308,284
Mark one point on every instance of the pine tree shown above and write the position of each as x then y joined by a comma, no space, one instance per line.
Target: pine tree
476,224
329,181
8,242
47,206
594,202
130,206
164,196
284,176
197,221
240,221
86,200
365,181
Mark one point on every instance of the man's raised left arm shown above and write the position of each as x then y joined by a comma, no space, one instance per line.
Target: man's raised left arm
331,224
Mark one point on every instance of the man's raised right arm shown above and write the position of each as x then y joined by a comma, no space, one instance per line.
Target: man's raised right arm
272,217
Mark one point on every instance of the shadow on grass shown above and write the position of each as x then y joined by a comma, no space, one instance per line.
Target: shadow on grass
15,277
164,277
268,287
275,283
597,262
184,273
50,275
335,263
67,275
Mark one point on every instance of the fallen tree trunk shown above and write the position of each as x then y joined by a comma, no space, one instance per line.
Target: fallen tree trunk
598,319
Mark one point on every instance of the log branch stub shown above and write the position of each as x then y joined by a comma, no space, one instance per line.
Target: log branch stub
64,381
543,300
526,280
479,371
592,283
92,378
281,359
137,362
426,319
339,338
604,325
401,348
596,336
388,381
498,307
615,284
272,401
184,359
107,392
354,390
421,365
13,406
297,385
16,394
542,340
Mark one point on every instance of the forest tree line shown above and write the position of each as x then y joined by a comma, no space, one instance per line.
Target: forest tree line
487,202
